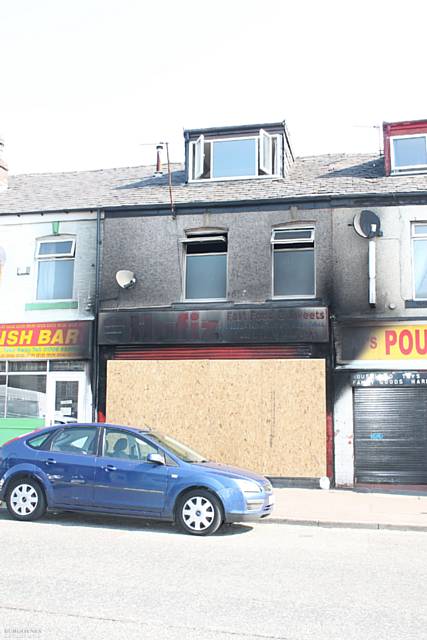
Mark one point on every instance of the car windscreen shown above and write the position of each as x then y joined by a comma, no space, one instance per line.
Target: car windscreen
180,450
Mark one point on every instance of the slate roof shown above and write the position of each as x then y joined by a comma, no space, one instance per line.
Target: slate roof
326,176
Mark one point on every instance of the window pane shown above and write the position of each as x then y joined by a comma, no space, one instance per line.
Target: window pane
410,151
420,268
206,276
55,280
119,444
37,365
75,440
66,400
3,366
294,273
38,441
420,229
214,246
2,395
232,158
294,234
66,365
26,396
49,248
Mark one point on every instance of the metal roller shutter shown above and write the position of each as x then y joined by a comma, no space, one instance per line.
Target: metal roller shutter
390,426
216,353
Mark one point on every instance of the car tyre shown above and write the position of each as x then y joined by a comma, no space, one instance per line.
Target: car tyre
25,499
199,512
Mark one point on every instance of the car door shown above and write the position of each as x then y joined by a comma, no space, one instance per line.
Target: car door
125,480
69,465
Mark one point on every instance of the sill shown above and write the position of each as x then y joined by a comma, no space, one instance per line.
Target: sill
408,171
227,179
415,304
292,298
41,306
197,300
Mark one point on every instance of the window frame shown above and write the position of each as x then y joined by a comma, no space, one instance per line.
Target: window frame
54,257
414,238
265,165
196,158
409,167
285,246
55,240
193,239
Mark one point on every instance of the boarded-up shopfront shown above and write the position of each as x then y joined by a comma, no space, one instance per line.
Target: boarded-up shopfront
261,406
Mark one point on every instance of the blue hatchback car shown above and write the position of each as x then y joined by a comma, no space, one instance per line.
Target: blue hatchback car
111,469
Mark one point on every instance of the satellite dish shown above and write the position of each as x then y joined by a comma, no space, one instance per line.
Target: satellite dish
367,224
125,279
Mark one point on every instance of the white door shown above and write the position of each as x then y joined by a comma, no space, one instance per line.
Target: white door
66,397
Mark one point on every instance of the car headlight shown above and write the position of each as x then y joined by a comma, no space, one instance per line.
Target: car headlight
248,486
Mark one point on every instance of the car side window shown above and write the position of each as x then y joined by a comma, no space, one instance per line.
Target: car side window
38,442
75,440
120,444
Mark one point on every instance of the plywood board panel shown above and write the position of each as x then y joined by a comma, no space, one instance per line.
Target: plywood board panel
266,415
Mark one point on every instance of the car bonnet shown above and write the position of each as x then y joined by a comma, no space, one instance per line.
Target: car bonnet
229,471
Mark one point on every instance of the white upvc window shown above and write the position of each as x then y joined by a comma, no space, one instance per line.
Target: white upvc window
205,270
55,268
419,260
408,153
235,158
293,262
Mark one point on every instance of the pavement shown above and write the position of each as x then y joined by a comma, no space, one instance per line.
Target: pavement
351,508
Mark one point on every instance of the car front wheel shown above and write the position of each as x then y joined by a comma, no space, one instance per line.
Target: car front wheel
199,513
25,500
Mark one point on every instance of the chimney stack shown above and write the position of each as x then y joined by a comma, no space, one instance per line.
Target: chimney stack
3,168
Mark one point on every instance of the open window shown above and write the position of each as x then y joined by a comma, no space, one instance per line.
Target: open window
199,157
205,267
293,262
55,273
265,152
408,153
235,157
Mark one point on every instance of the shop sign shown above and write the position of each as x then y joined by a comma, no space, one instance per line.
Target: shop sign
233,326
383,342
390,379
46,341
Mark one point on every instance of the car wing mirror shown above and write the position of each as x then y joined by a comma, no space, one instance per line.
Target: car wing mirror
156,458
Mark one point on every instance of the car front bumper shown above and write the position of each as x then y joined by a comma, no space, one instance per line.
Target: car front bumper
256,509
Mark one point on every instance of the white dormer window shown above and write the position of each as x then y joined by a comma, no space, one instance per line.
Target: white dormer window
233,158
409,153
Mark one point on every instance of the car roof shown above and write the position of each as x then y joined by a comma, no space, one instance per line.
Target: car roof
98,425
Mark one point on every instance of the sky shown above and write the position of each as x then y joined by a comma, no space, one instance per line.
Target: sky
88,84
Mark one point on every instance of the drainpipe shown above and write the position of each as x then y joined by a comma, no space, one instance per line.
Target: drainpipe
95,347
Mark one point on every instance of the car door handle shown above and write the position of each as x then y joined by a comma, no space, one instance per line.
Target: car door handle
50,461
109,467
